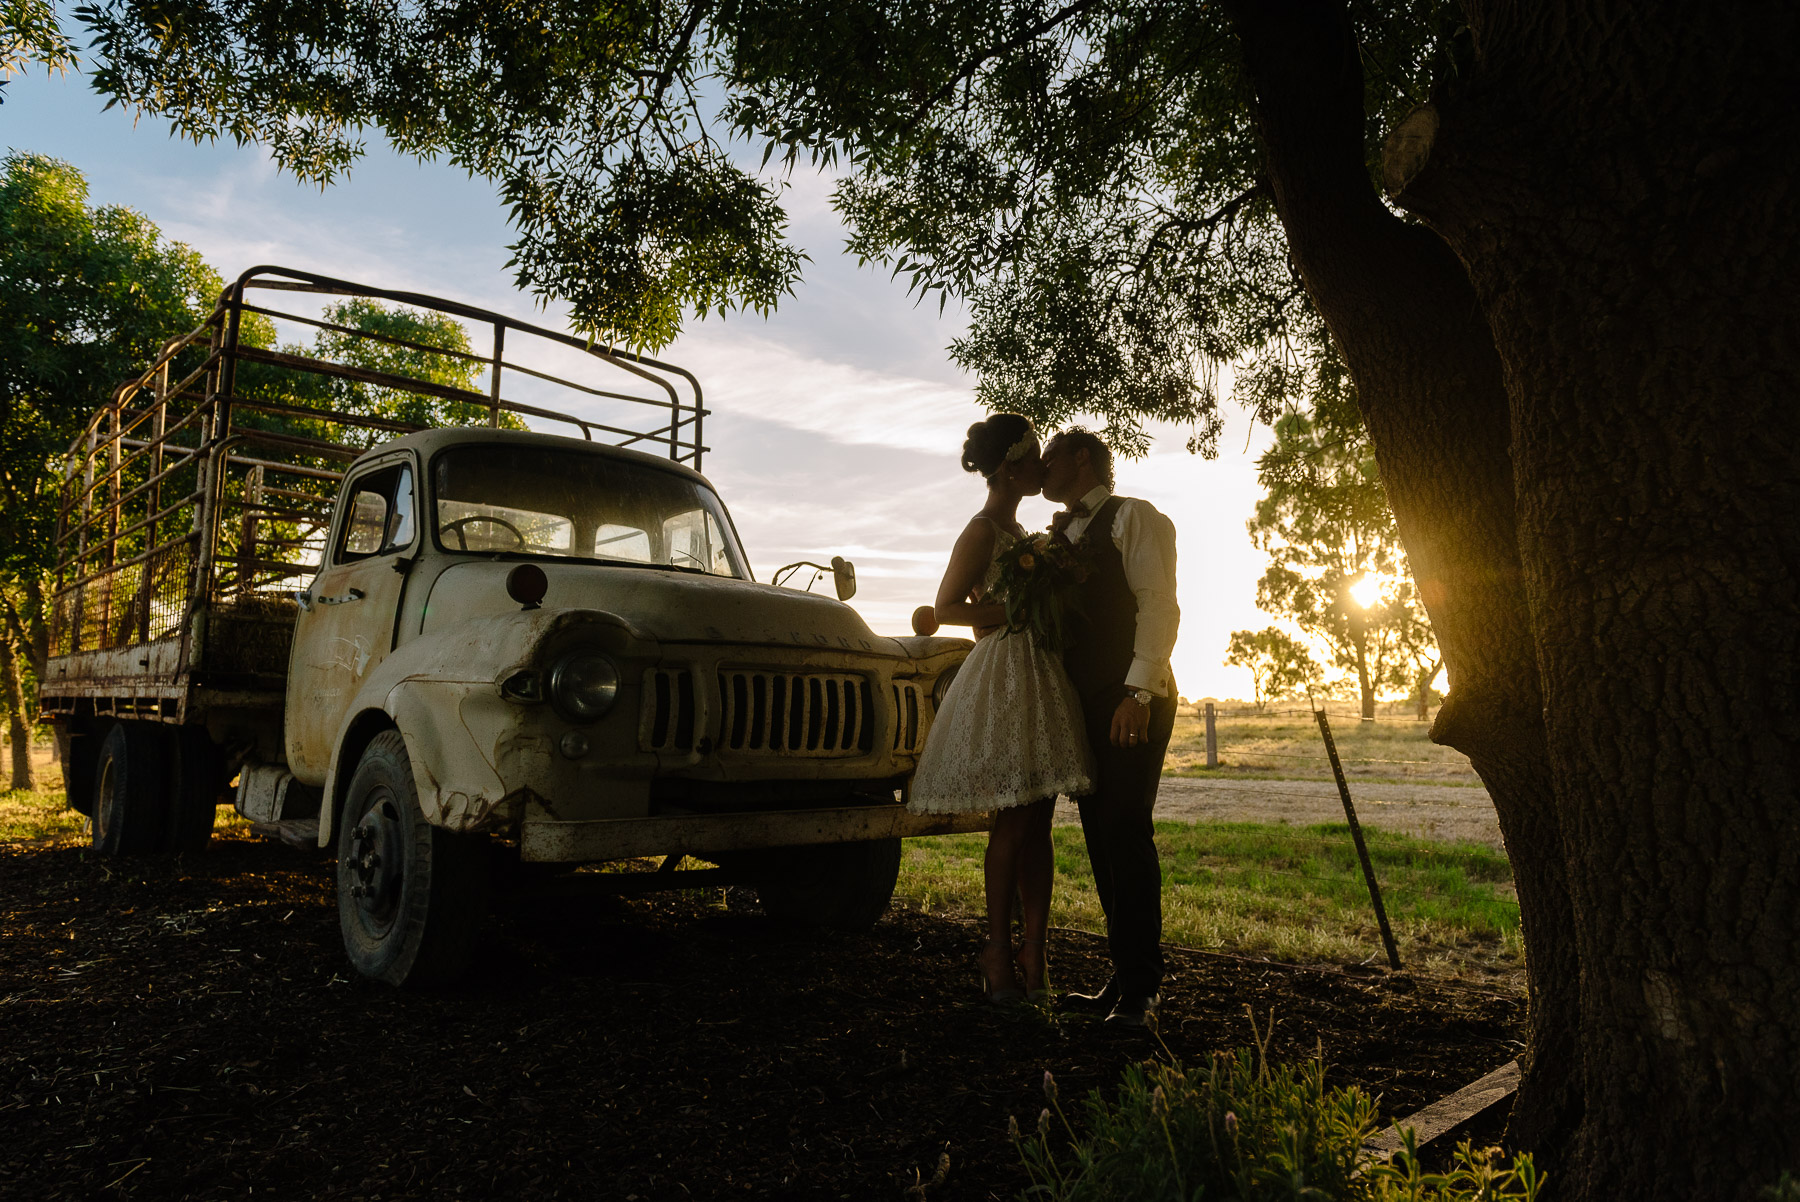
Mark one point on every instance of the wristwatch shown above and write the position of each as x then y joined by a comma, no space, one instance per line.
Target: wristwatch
1142,696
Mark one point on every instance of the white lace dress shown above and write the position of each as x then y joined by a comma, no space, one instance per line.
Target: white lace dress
1009,731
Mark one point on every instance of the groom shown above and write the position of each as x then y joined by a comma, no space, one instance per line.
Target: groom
1118,658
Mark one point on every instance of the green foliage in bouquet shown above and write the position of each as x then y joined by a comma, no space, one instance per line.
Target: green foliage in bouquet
1238,1128
1038,583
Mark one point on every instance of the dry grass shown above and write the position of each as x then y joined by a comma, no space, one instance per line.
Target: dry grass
1285,743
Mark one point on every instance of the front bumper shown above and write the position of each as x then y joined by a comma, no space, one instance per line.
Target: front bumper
548,840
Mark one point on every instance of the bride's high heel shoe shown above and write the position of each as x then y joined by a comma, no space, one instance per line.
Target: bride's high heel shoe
1041,992
1007,993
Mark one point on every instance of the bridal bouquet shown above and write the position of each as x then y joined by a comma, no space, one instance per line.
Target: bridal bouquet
1038,582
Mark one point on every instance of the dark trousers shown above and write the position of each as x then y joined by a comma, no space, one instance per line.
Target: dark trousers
1115,820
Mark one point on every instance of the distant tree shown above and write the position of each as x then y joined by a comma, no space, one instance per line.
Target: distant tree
1416,643
86,295
1278,663
1325,524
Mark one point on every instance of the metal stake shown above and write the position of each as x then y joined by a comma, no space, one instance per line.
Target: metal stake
1356,835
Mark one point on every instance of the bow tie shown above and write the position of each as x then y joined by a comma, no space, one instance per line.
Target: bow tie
1078,510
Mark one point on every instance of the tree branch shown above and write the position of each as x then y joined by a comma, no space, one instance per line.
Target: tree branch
975,62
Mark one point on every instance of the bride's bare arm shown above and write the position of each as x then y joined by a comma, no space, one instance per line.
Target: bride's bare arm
968,567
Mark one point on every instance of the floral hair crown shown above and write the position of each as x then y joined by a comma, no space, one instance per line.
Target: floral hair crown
1028,442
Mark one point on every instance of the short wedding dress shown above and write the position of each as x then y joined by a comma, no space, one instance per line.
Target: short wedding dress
1009,731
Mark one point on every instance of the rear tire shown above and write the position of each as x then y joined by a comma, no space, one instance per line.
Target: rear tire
131,790
843,886
411,896
196,778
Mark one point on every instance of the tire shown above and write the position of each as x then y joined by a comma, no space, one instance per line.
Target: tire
78,751
843,886
131,790
196,770
411,897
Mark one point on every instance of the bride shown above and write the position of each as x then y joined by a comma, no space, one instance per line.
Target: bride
1009,735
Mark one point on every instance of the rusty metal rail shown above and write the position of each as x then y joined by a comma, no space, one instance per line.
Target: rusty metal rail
207,482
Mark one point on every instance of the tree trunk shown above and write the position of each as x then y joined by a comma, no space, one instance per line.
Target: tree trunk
1623,195
1403,313
19,728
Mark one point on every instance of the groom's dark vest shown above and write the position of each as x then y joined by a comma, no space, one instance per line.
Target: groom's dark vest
1103,636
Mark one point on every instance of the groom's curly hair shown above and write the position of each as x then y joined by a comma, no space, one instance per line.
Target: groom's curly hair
1100,456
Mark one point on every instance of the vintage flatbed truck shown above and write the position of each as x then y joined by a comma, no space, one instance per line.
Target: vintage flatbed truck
346,577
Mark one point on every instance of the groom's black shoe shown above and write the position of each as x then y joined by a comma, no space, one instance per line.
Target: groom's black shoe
1133,1012
1094,1003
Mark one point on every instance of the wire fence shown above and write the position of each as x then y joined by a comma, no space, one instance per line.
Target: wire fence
1331,863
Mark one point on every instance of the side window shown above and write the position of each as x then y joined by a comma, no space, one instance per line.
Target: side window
380,514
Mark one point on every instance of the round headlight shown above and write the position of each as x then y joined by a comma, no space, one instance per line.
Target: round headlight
584,685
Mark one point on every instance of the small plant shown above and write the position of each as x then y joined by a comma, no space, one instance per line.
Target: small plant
1240,1128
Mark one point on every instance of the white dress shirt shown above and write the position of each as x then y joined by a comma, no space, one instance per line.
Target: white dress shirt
1146,542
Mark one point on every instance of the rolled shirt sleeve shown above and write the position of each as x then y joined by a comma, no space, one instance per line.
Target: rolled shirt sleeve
1146,542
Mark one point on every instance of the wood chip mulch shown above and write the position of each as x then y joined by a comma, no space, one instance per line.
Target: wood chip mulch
188,1028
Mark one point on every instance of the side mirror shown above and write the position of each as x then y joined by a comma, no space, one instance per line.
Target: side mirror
843,574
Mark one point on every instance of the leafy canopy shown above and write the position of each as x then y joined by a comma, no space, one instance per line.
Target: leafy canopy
87,297
1083,174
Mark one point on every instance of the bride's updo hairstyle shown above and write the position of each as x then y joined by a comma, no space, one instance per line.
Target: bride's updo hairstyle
993,442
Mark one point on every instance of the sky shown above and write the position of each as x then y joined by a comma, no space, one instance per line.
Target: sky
836,424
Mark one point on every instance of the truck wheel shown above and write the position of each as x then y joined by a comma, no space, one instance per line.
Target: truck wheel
77,750
196,767
845,886
131,799
410,896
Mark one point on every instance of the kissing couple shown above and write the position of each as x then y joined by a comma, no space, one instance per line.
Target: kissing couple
1030,716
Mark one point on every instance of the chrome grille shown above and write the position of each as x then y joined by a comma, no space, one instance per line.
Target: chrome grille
816,715
906,716
667,721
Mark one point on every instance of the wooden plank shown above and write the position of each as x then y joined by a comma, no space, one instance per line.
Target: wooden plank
1448,1113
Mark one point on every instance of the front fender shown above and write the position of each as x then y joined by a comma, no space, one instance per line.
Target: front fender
441,691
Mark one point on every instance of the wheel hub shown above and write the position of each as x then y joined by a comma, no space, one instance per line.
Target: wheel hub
375,864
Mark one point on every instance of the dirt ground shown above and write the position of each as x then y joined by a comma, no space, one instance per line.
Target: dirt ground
189,1028
1448,812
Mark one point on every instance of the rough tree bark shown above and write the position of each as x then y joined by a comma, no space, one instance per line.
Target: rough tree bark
1403,313
1622,187
19,729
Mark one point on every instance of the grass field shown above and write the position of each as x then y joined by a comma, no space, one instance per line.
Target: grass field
1292,893
1286,744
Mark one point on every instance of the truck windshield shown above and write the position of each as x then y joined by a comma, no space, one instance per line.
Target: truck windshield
568,504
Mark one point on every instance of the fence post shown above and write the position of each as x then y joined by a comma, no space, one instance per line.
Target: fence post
1356,836
1212,738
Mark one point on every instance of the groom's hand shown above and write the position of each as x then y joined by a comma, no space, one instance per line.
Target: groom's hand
1131,724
